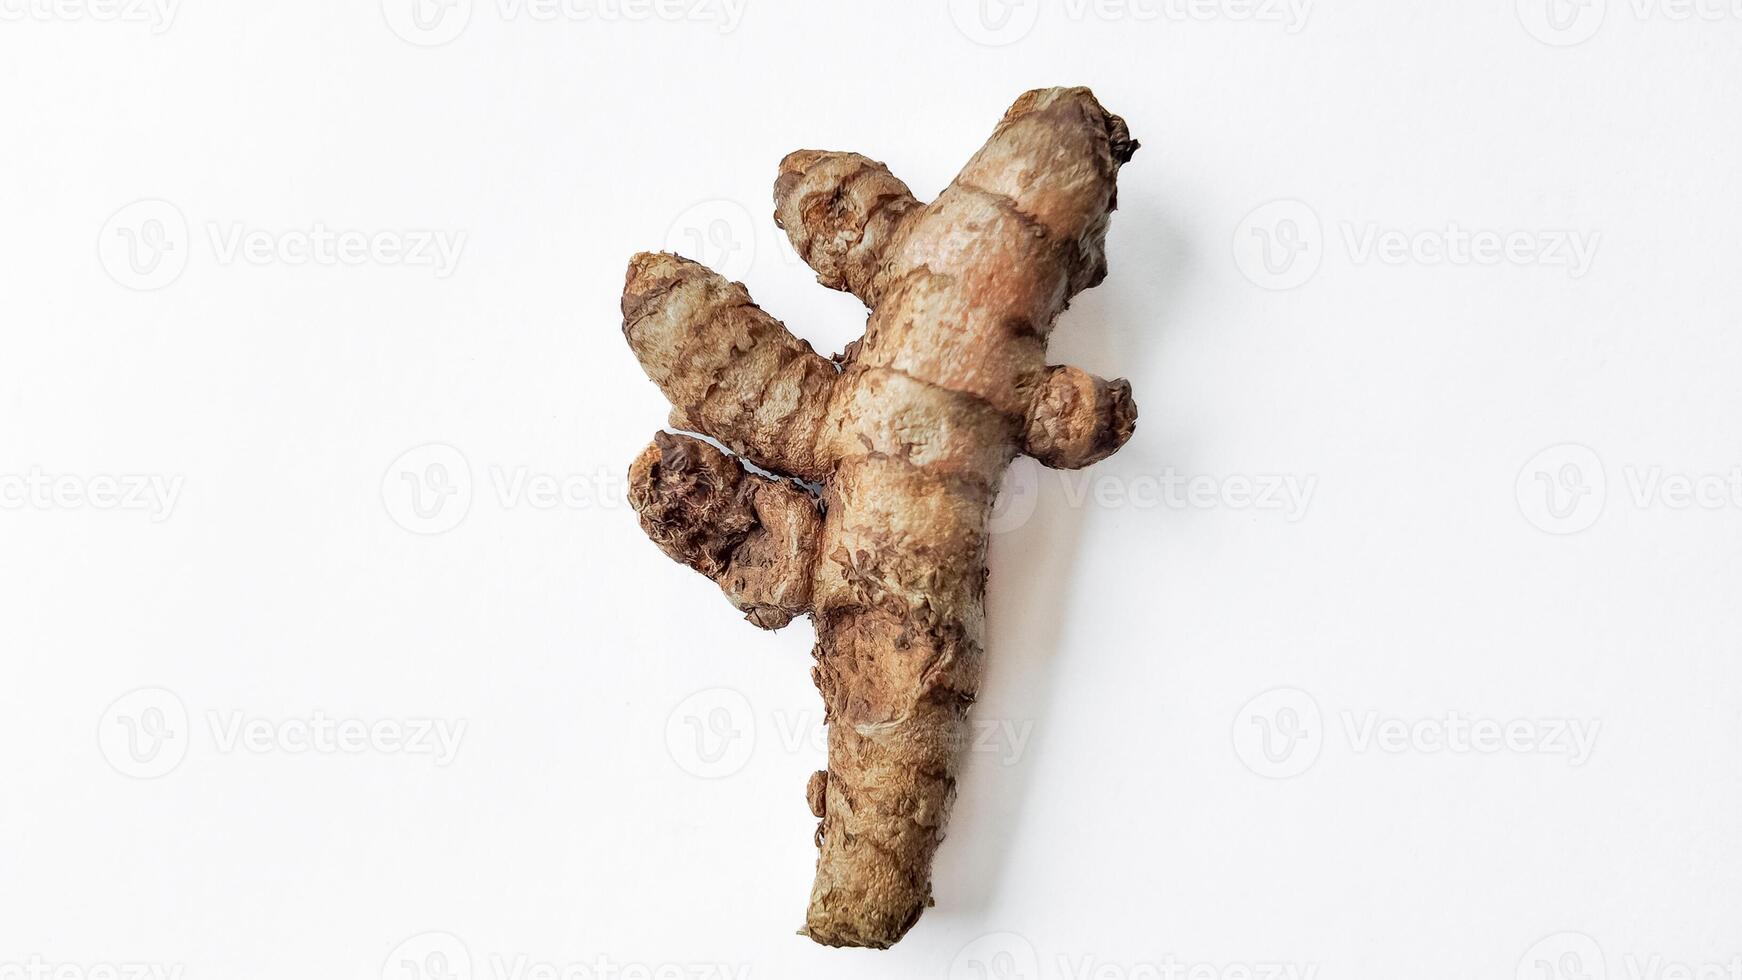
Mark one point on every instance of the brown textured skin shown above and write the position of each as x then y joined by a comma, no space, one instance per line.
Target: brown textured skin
908,433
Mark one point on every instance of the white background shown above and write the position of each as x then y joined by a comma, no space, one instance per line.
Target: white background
628,782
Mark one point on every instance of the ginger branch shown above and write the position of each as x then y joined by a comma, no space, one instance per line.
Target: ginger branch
908,437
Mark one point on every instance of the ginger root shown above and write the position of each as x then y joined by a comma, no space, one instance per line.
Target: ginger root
908,434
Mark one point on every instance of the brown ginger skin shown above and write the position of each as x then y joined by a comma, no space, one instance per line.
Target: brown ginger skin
908,434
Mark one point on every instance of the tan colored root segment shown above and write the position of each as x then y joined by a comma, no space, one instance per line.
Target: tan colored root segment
909,443
729,369
1077,419
842,212
892,768
969,292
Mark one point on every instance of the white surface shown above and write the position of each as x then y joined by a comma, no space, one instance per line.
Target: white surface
1120,815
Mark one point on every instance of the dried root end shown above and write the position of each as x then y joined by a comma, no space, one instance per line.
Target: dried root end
752,535
692,500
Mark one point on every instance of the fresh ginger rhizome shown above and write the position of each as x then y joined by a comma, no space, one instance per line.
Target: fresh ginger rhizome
907,433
